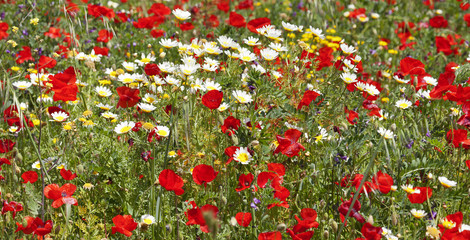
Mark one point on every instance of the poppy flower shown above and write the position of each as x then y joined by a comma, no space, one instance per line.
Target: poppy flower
288,144
223,5
128,97
264,177
101,50
300,236
231,124
244,182
466,18
24,55
100,11
383,182
61,195
411,66
171,181
194,216
443,45
277,168
46,62
152,69
104,36
424,194
270,236
156,33
29,176
12,206
212,99
4,161
212,21
325,58
438,22
64,85
352,115
236,20
67,174
159,9
370,232
124,225
53,32
308,97
3,30
202,174
243,218
457,137
308,220
30,225
186,26
468,164
6,145
258,23
344,208
230,152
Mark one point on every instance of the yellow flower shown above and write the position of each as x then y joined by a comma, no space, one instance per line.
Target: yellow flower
34,21
87,113
392,51
13,43
88,186
385,100
15,68
14,29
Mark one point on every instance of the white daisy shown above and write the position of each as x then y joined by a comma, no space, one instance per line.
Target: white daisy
242,96
146,107
124,127
349,77
387,134
168,43
162,131
109,115
430,80
129,66
22,85
103,91
418,213
59,116
181,15
145,59
347,49
223,107
242,155
268,54
403,104
446,182
251,41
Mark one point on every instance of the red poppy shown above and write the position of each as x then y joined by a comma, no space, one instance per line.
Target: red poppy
186,26
30,226
42,228
6,145
13,207
46,62
237,20
288,144
101,50
277,168
67,174
156,33
424,194
64,85
466,18
212,99
308,97
4,161
231,124
152,69
344,208
443,45
171,181
438,22
411,66
244,182
243,218
383,182
53,32
223,5
124,225
457,137
300,236
325,58
202,174
29,176
3,30
370,232
258,23
308,220
128,97
100,11
24,55
159,9
104,36
61,195
264,177
352,115
212,21
270,236
230,152
468,164
149,22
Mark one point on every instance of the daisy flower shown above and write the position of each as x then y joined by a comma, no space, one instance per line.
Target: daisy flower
347,49
211,85
211,48
109,115
166,67
93,56
36,165
124,127
149,98
146,107
59,116
277,47
268,54
126,78
349,77
403,104
163,131
400,80
251,41
418,213
105,107
147,219
387,134
317,32
289,27
181,15
226,42
242,156
323,134
223,107
129,66
145,59
446,182
188,69
242,97
410,190
430,80
103,91
22,85
168,43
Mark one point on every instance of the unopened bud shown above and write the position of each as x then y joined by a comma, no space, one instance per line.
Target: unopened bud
281,227
326,234
162,54
393,127
333,225
370,220
394,218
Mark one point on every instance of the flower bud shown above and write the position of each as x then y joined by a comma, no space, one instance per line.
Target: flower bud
326,234
370,220
333,225
281,227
